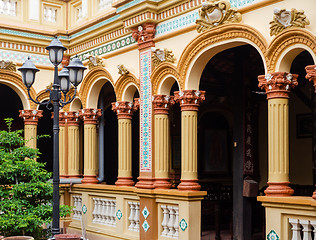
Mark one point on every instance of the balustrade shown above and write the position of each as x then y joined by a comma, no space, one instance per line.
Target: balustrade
77,203
105,4
8,7
133,216
104,211
170,221
302,229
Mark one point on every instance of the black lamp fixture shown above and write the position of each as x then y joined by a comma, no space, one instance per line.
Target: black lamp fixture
72,74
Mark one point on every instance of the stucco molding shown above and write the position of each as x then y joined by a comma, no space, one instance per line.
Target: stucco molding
161,72
216,35
287,39
123,82
88,81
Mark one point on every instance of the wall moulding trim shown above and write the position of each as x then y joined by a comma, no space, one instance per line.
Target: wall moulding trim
121,84
217,35
92,76
286,39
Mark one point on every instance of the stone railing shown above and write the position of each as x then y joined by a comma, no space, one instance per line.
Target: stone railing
77,203
290,217
8,7
104,211
133,216
170,222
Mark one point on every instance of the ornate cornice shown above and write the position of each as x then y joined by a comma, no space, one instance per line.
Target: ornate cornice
72,118
189,99
124,109
162,104
90,115
123,82
278,84
311,74
144,35
31,117
92,76
218,34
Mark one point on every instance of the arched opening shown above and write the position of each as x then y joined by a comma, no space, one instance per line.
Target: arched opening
302,104
45,145
108,134
11,107
135,141
228,141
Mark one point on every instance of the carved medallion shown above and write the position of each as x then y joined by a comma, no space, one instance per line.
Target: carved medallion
162,55
122,70
216,13
8,65
95,61
285,19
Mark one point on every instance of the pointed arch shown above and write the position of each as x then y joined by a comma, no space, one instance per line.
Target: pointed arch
14,81
287,45
161,74
122,83
91,86
201,49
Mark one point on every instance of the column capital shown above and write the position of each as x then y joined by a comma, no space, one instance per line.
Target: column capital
144,35
162,104
189,99
62,118
311,74
90,115
124,109
31,117
72,118
278,84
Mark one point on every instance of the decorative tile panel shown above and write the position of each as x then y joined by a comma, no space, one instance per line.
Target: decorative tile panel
183,224
145,226
119,214
272,235
21,57
145,112
145,212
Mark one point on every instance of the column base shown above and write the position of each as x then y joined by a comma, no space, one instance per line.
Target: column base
124,181
189,185
145,183
314,195
162,183
279,189
63,176
74,176
89,179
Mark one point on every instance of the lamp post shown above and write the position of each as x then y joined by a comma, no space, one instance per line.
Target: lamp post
71,74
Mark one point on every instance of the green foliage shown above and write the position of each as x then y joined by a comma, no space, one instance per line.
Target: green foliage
25,190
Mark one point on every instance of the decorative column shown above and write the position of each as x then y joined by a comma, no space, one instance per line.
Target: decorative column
277,86
62,145
90,119
189,102
311,76
72,120
161,105
30,118
124,111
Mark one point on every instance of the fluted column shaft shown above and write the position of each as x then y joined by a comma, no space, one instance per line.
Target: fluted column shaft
90,118
161,105
30,118
124,111
277,86
73,144
189,102
62,146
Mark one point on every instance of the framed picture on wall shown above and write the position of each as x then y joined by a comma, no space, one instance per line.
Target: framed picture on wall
304,125
216,151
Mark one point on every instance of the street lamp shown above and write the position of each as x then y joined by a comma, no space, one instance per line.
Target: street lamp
72,74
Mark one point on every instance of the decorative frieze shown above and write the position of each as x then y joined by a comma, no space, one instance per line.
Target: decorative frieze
216,13
31,117
162,103
162,55
278,84
189,99
284,19
8,65
90,115
124,109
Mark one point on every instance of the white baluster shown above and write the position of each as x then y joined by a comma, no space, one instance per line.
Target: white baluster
100,211
75,211
80,207
171,221
307,229
111,222
313,223
103,211
165,221
296,229
113,212
131,216
107,213
94,210
176,222
136,218
12,8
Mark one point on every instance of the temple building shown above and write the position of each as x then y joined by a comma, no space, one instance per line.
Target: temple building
194,120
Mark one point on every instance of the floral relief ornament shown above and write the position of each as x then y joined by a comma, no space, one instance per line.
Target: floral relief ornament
162,55
214,13
95,61
284,19
8,65
122,70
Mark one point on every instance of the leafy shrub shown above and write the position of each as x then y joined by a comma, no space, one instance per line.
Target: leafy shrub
25,190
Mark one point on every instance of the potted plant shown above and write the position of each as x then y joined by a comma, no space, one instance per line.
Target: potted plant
25,188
